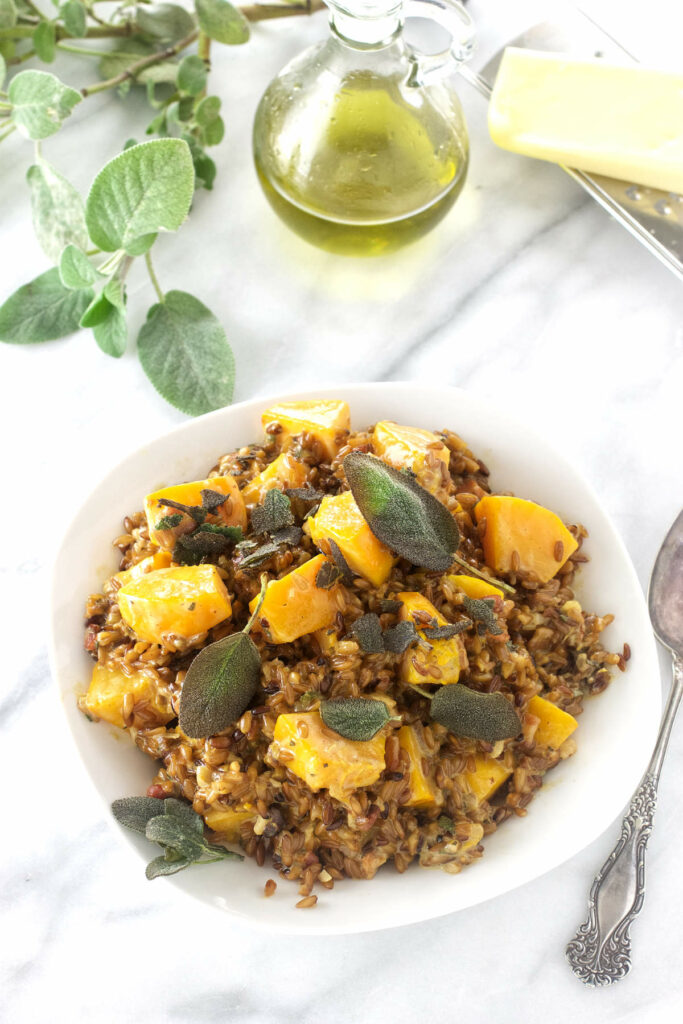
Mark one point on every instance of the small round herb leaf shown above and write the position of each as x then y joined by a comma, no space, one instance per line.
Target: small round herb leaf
368,632
355,718
185,353
74,16
45,41
192,75
401,513
40,102
473,715
219,685
222,22
166,22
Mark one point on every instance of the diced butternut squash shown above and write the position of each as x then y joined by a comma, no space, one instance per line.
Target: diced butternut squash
294,605
284,471
555,726
231,513
423,793
475,588
326,419
322,758
176,602
327,639
487,777
227,820
441,663
520,532
159,560
108,688
340,519
412,448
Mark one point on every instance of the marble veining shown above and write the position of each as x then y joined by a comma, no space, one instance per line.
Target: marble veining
526,294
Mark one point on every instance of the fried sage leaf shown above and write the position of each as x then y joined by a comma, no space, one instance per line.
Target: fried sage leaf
328,574
219,685
400,637
472,715
446,632
207,541
340,561
368,632
355,718
482,610
275,513
401,513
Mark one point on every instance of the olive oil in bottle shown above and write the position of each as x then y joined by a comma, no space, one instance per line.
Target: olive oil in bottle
353,151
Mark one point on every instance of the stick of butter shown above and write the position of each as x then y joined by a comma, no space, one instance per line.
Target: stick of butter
622,121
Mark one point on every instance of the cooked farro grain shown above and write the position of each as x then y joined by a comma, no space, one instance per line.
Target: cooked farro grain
548,646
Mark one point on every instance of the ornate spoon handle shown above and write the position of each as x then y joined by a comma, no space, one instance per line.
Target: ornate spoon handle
600,952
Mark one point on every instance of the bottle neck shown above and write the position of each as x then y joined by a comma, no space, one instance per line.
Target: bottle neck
366,24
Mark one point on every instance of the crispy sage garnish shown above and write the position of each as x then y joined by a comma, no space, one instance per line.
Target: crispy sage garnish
473,715
273,514
450,629
400,637
355,718
169,522
482,610
368,632
340,561
221,681
328,574
211,502
205,541
401,513
176,827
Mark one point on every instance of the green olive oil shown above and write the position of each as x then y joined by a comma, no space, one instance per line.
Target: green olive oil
380,174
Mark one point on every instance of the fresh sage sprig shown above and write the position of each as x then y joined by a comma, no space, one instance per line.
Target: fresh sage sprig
176,827
221,681
401,513
355,718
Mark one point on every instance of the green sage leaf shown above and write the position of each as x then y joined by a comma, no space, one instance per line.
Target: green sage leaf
115,291
400,637
445,823
473,715
214,132
219,686
328,574
8,14
140,192
482,610
135,811
166,22
192,75
73,15
222,22
111,333
45,41
274,513
368,632
207,541
40,103
96,312
75,269
355,718
401,513
446,632
58,211
175,833
166,866
185,353
184,811
42,310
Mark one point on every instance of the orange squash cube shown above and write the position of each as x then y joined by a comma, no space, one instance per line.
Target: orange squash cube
555,726
539,537
232,513
159,560
487,777
444,656
340,519
475,588
323,758
176,602
227,820
294,605
423,793
284,471
412,448
110,684
327,419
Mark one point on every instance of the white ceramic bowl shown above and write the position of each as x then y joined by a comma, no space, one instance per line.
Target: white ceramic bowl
584,794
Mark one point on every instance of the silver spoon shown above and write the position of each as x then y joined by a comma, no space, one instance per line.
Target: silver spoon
600,952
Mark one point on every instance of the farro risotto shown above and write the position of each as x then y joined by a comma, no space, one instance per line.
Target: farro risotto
343,649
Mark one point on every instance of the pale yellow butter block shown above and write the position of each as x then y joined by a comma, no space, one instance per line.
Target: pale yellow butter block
619,120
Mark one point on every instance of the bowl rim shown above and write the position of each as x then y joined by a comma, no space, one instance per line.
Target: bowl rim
629,778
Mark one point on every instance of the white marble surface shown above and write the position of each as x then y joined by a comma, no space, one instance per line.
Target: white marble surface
526,286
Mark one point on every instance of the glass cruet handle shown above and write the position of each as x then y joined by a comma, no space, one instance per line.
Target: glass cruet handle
454,18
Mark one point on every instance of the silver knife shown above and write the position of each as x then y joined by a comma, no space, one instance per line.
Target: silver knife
654,217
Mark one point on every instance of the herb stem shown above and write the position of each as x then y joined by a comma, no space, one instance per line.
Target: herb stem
140,65
257,609
263,12
482,575
22,57
153,276
32,7
423,693
82,51
8,131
